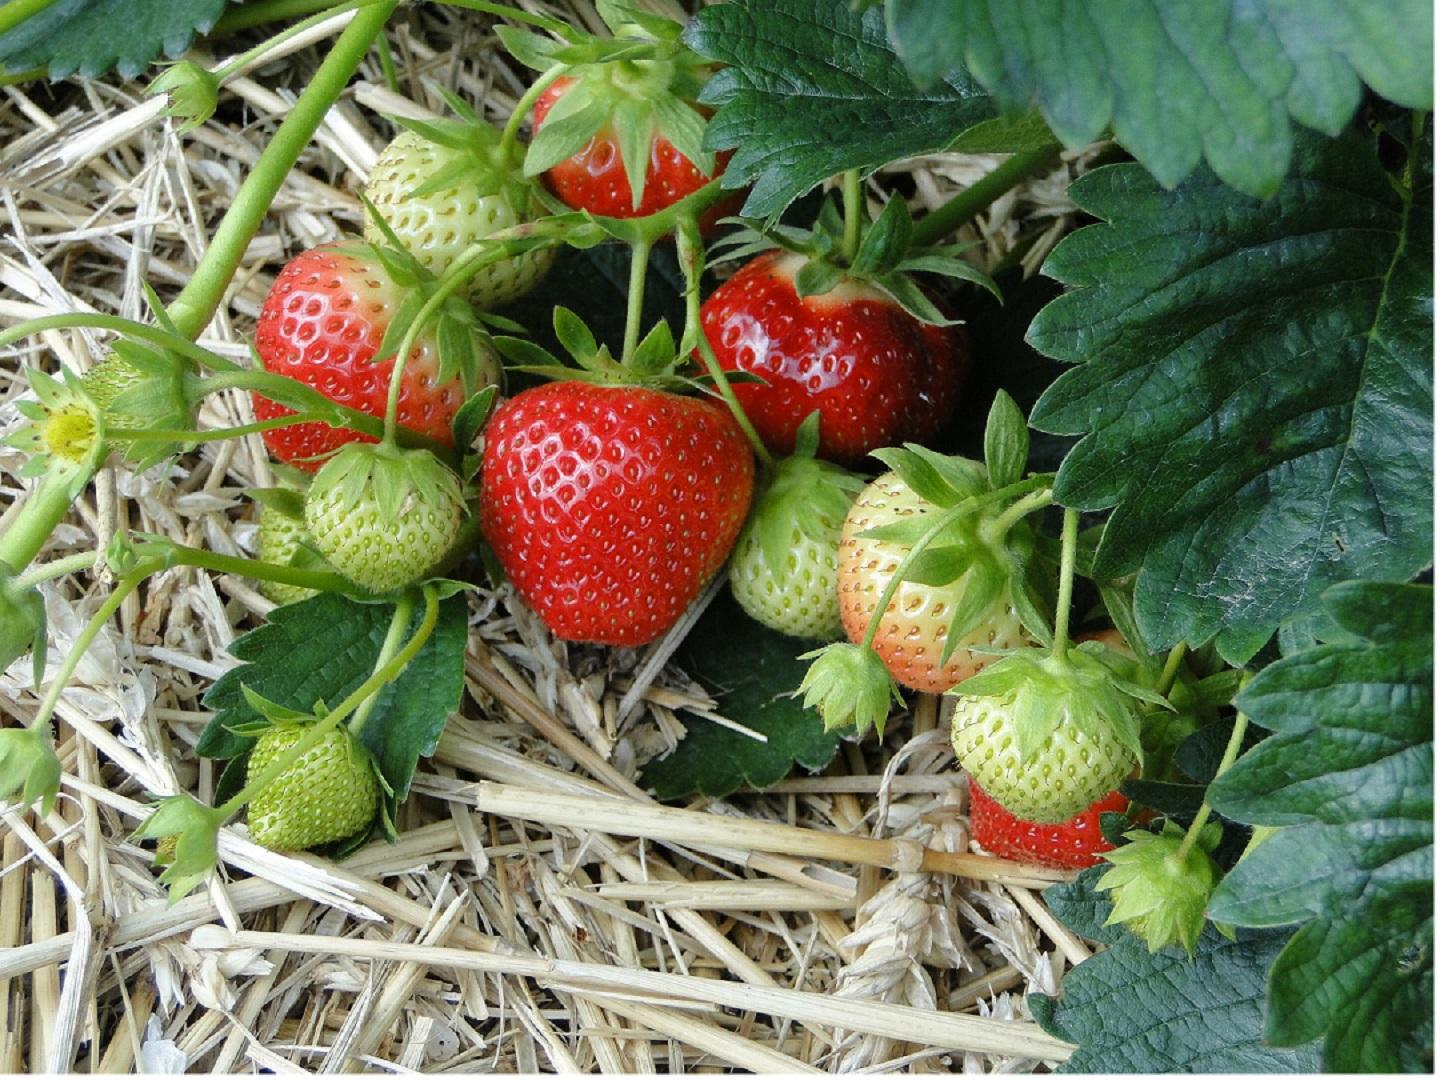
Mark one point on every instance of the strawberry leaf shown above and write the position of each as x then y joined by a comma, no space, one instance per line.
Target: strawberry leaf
1221,78
751,671
1347,777
1255,388
90,37
323,648
813,88
1129,1010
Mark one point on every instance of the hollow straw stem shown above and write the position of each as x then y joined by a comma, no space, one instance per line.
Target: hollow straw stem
236,63
382,675
193,309
945,219
1069,534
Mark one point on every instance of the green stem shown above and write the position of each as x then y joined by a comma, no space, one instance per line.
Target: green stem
545,22
129,327
17,11
1003,523
1171,669
511,134
854,204
635,298
1069,532
394,636
945,219
320,580
691,250
213,434
193,309
317,731
15,78
387,64
45,509
123,588
1232,751
70,564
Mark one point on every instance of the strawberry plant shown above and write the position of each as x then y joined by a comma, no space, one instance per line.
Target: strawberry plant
1206,422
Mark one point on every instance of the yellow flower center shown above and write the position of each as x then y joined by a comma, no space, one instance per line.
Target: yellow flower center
70,433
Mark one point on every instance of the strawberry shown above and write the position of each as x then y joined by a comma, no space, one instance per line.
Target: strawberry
610,506
916,627
1069,845
323,323
878,375
783,572
384,517
279,538
441,187
594,178
330,793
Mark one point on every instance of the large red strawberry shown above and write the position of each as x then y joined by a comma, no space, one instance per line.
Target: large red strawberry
610,507
1073,844
877,375
594,178
322,324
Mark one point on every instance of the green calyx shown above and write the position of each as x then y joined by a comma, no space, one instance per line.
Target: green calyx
139,387
191,93
886,258
1160,887
640,83
1081,687
196,831
66,429
22,629
29,767
850,687
653,364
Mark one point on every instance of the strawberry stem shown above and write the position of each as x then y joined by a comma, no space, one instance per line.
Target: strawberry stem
1069,533
1232,751
214,434
382,675
1171,669
945,219
55,568
129,327
691,250
635,298
1003,523
197,302
511,134
45,509
854,204
504,11
394,636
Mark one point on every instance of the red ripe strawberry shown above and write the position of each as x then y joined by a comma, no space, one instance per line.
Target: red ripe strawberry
1069,845
322,324
878,375
610,507
594,179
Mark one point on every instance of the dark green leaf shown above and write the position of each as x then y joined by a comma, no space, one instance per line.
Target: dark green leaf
813,89
1130,1010
321,649
1348,777
1256,389
1175,81
90,37
751,671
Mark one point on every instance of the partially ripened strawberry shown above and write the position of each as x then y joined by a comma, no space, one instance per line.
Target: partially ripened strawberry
329,793
877,374
384,517
1073,844
441,188
916,624
322,324
610,507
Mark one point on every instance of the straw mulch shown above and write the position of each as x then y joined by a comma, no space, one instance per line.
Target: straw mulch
540,911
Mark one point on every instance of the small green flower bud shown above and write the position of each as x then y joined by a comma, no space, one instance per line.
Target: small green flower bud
28,765
193,93
1159,890
849,686
196,830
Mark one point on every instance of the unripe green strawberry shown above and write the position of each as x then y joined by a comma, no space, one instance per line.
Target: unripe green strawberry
1046,734
784,571
109,379
439,191
329,793
280,537
382,516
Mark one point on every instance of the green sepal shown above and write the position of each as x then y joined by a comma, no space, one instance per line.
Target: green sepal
816,277
28,765
196,828
619,17
805,493
191,92
919,474
634,124
655,355
66,432
388,476
1007,442
850,687
22,626
273,711
472,415
885,243
984,588
1158,893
